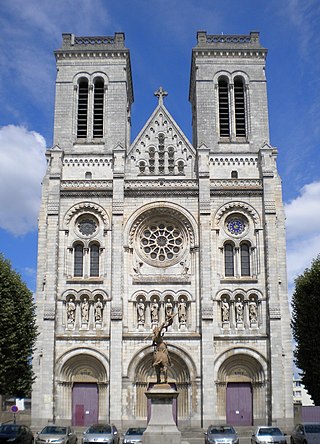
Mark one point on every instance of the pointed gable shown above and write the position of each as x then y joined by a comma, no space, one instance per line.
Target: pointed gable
161,148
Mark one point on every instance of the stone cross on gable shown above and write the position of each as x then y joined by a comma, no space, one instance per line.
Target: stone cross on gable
161,93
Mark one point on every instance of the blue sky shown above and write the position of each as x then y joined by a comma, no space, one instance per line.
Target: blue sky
160,35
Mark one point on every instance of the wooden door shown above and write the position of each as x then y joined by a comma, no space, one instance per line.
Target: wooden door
239,404
85,402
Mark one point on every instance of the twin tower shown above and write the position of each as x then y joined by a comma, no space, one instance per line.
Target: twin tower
132,232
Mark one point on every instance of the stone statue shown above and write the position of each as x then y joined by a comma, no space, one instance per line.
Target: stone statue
169,309
225,310
182,311
253,314
239,310
71,310
140,311
85,310
154,312
98,307
161,358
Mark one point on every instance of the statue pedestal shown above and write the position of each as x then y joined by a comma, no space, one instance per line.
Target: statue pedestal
161,427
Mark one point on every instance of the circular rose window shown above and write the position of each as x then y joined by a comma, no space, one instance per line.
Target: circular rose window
236,225
162,242
87,225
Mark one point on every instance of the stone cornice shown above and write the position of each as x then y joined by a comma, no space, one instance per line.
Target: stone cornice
236,183
67,185
162,184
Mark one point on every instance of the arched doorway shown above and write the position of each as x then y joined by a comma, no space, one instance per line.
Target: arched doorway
180,375
82,388
241,388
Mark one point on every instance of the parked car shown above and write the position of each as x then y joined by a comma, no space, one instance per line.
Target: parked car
268,434
134,435
221,434
57,434
15,434
306,433
101,433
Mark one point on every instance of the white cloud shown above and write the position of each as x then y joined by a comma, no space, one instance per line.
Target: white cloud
303,233
22,166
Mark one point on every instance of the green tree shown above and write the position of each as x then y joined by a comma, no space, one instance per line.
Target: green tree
18,333
306,328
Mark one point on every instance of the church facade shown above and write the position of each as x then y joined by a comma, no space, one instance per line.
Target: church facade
132,233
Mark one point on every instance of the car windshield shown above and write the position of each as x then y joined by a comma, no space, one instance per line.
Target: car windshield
273,431
135,431
99,429
312,428
9,428
53,430
222,430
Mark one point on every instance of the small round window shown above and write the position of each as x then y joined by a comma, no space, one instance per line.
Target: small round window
87,225
161,242
236,225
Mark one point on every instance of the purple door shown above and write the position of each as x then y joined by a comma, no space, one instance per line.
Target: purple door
85,401
239,403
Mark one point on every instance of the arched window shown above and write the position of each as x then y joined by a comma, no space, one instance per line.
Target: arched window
82,123
239,105
224,122
229,259
98,105
94,260
78,260
245,259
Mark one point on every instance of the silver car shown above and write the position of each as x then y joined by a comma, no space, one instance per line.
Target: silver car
306,433
134,435
268,434
217,434
56,434
101,433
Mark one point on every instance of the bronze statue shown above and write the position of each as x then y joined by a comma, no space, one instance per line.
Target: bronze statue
161,358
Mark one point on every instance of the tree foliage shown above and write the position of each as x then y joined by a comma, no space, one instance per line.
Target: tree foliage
306,328
18,333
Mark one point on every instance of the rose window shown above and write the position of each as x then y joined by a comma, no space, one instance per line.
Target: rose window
236,225
162,242
87,226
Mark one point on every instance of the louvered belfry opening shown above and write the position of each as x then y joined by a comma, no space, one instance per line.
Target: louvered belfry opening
98,103
224,122
82,127
239,107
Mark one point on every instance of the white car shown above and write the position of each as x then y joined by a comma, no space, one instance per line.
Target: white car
268,434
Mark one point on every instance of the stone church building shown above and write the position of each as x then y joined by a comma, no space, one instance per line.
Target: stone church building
132,232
